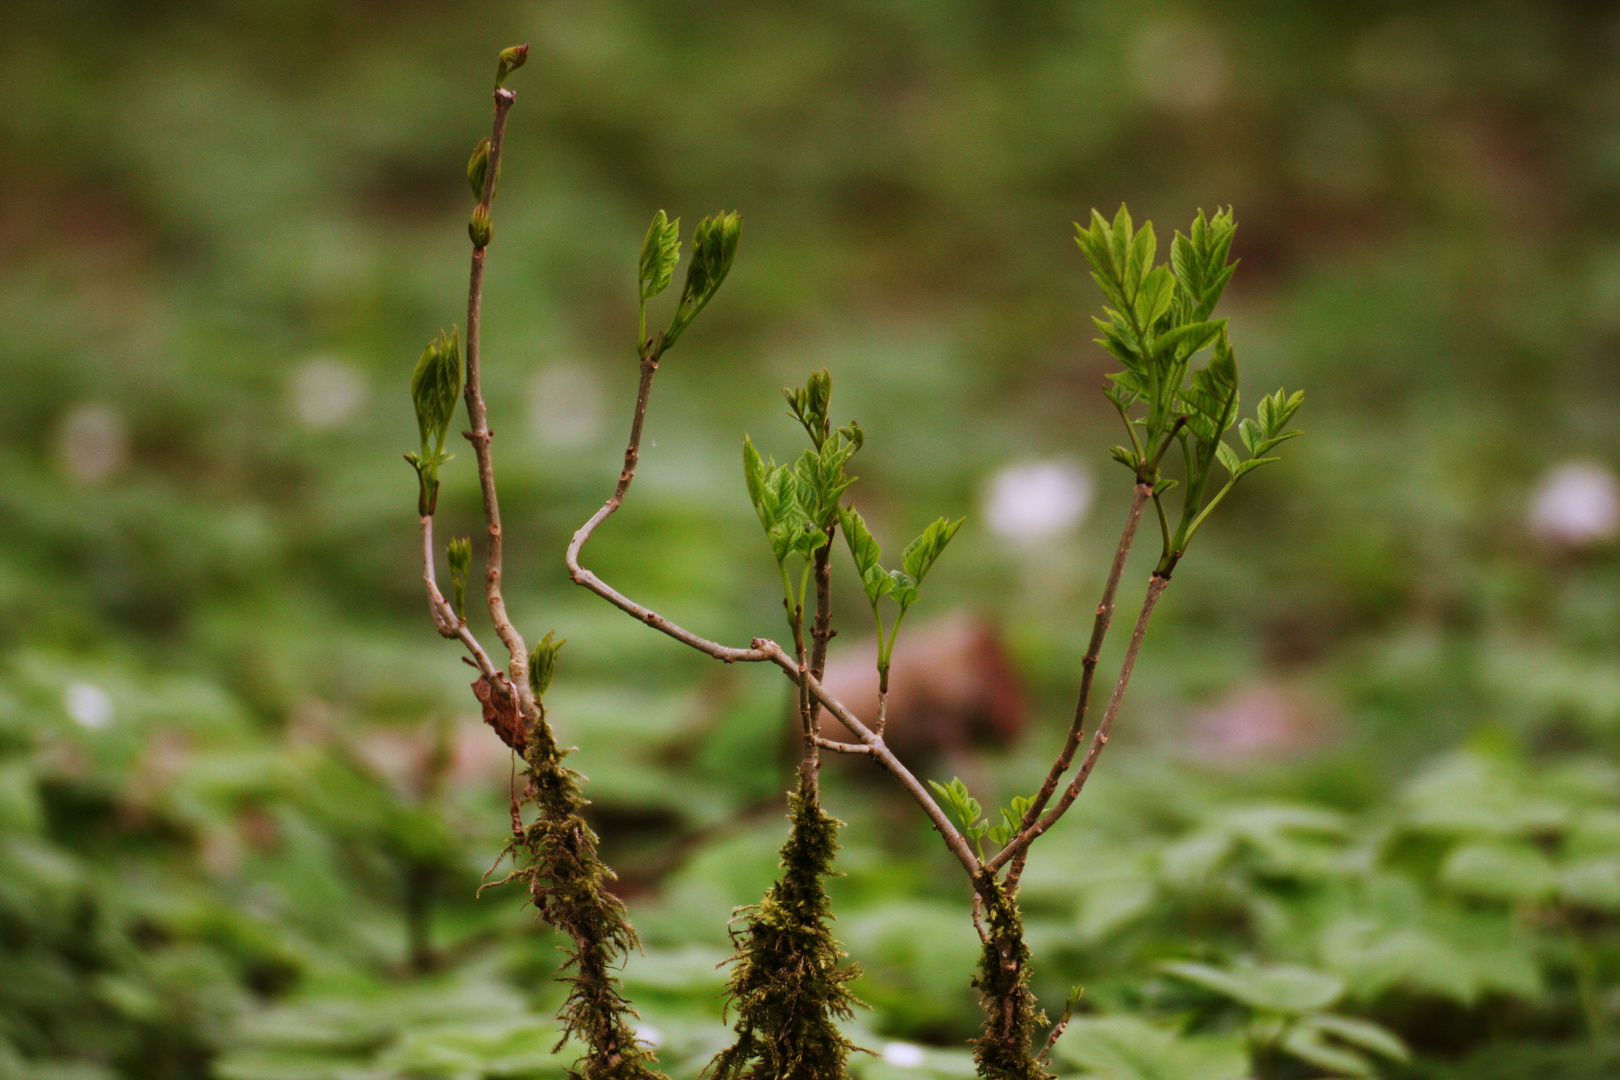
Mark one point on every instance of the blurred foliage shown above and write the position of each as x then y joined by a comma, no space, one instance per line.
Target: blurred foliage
230,844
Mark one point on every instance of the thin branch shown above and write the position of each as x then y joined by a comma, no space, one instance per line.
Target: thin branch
480,435
1156,587
1088,663
445,620
880,750
978,918
582,576
842,747
1057,1030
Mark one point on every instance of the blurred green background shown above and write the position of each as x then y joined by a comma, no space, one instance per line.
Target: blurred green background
244,797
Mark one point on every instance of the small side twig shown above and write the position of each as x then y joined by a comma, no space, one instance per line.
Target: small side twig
581,576
1060,1027
445,619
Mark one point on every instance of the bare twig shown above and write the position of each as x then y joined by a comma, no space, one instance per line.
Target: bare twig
1156,586
880,750
1058,1028
978,918
841,747
1088,671
582,576
480,435
445,619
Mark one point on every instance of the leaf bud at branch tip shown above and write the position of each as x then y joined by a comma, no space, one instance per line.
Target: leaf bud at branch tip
480,228
509,61
435,389
459,554
543,662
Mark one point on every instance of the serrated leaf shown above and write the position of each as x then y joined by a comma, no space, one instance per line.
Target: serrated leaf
863,546
754,475
660,251
921,554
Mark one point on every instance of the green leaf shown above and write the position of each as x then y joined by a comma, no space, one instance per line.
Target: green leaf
1363,1034
1184,341
435,389
1283,988
1126,1048
922,552
1504,872
1229,459
1308,1045
660,251
714,247
754,474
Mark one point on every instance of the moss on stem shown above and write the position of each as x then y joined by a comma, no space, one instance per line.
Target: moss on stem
1003,1051
556,856
787,985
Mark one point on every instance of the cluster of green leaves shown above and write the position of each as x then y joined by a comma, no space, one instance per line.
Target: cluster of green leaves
1160,319
902,584
797,504
435,390
714,248
969,814
798,507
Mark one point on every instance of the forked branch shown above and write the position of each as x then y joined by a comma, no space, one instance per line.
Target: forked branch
1156,587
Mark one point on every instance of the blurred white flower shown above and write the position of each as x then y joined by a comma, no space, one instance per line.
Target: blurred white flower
565,407
326,391
647,1035
90,706
92,443
903,1055
1577,504
1037,500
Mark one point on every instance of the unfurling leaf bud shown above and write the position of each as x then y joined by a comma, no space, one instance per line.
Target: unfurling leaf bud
509,61
659,253
480,228
478,171
435,386
543,662
459,554
714,246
